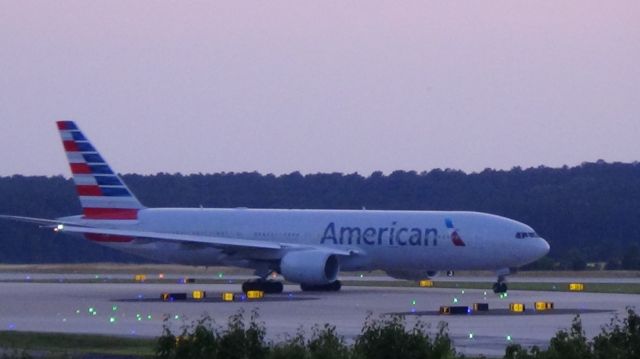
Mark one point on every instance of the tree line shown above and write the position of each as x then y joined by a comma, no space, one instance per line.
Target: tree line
588,213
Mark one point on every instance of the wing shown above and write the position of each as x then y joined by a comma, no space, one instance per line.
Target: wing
217,242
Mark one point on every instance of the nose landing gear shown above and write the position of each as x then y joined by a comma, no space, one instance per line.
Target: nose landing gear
500,287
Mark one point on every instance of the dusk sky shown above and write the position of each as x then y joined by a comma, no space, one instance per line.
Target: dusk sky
282,86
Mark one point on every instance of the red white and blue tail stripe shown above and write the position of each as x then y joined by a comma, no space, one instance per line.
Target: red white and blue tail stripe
103,194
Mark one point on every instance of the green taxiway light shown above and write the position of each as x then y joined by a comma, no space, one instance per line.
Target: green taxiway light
112,320
455,300
149,317
176,317
509,338
413,302
470,335
114,308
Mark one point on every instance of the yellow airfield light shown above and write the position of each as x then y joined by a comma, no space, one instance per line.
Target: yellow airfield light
542,306
576,287
198,294
140,277
517,307
228,296
255,294
426,283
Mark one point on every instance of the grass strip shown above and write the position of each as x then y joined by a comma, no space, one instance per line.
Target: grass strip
622,288
76,343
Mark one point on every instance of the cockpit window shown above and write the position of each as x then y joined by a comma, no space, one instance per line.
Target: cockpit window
520,235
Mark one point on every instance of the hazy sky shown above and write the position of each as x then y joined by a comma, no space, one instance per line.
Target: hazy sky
279,86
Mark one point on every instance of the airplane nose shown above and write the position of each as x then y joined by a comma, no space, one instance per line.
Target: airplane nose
544,247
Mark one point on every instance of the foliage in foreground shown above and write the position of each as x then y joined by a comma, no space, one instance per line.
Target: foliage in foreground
620,339
387,337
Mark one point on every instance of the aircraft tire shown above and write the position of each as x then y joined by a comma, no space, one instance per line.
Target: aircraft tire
500,287
331,287
269,287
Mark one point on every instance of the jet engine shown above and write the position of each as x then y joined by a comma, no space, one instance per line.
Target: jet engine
310,267
412,275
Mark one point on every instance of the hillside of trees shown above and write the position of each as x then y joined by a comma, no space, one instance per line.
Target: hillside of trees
588,213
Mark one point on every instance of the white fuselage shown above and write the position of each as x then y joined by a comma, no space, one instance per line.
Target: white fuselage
386,240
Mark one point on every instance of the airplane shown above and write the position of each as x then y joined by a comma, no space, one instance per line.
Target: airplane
308,247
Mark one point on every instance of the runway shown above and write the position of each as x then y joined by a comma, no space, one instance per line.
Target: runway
134,309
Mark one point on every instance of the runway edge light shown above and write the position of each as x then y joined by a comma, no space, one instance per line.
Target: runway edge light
199,294
255,294
456,309
542,306
576,287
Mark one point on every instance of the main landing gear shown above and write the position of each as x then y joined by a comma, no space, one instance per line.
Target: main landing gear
331,287
267,286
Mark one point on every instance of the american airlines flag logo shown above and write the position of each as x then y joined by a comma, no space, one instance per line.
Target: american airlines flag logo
453,232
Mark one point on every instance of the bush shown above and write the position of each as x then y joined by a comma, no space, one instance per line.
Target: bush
618,340
202,340
389,338
386,337
326,344
293,348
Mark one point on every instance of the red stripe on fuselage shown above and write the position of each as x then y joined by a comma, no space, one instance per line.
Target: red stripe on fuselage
110,213
80,168
70,146
96,237
89,191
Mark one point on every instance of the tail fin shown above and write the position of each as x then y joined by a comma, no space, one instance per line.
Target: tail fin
103,195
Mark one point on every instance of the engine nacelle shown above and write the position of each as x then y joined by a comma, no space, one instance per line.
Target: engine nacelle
310,267
412,275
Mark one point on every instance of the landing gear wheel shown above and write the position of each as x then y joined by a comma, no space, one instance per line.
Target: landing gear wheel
331,287
499,287
267,286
